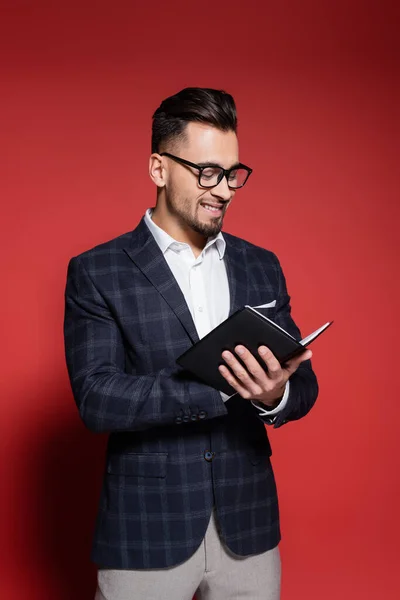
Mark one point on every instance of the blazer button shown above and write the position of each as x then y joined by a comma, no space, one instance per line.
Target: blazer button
209,455
202,414
178,420
186,419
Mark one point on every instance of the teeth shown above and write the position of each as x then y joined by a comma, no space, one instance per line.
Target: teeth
212,208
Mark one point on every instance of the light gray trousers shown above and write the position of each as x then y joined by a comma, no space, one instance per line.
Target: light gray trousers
212,573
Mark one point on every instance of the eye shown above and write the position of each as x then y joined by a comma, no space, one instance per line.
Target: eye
210,172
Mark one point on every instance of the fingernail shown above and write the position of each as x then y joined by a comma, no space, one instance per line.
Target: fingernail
239,349
262,350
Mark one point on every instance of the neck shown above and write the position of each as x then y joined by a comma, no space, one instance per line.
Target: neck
177,230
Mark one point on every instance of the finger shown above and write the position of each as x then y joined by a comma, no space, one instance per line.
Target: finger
252,365
236,384
241,373
293,364
273,365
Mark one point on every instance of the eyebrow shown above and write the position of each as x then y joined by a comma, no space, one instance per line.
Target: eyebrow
213,164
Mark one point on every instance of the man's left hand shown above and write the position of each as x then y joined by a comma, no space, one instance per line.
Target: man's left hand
253,383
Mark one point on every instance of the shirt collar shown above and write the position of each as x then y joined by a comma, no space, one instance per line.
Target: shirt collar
165,241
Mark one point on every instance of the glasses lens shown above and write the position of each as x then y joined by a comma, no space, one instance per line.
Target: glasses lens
237,178
209,176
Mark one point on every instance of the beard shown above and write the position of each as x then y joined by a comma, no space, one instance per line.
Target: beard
187,215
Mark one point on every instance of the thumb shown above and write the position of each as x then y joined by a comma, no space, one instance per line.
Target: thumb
292,365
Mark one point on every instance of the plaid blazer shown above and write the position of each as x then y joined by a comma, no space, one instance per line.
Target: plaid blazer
175,449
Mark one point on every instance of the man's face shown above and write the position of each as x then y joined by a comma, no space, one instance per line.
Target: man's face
192,206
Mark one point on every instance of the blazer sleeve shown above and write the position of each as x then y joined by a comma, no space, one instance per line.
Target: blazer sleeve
108,398
303,390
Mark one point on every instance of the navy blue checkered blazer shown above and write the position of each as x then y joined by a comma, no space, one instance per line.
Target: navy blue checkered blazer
175,449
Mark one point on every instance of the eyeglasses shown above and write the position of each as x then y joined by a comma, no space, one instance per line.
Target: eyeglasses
210,175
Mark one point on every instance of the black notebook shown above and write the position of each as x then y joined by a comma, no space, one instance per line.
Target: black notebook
249,327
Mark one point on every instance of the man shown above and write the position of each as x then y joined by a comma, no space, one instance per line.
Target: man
189,502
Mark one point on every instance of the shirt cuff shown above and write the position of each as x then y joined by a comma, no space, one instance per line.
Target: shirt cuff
264,412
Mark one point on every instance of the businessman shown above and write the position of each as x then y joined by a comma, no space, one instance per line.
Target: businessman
189,503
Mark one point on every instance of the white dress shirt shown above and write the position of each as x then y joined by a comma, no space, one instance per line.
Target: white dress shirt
204,284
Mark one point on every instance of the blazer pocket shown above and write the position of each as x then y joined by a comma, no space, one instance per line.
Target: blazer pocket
257,459
260,453
149,464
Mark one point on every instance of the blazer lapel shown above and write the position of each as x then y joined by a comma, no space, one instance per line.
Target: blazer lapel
147,256
238,277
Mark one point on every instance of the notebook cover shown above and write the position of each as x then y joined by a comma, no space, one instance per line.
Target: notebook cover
244,327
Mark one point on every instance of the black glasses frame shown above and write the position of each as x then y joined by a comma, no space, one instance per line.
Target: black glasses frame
224,172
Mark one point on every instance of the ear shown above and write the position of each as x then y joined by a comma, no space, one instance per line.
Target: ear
157,170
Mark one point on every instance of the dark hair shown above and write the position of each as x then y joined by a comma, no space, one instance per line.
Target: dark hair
203,105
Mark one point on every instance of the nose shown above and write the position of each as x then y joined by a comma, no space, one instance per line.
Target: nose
222,190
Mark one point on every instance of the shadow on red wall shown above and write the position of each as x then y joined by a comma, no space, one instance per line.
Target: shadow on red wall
65,468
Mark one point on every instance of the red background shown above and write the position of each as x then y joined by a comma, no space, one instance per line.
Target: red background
317,91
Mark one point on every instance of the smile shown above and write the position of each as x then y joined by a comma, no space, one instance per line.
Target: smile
213,209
